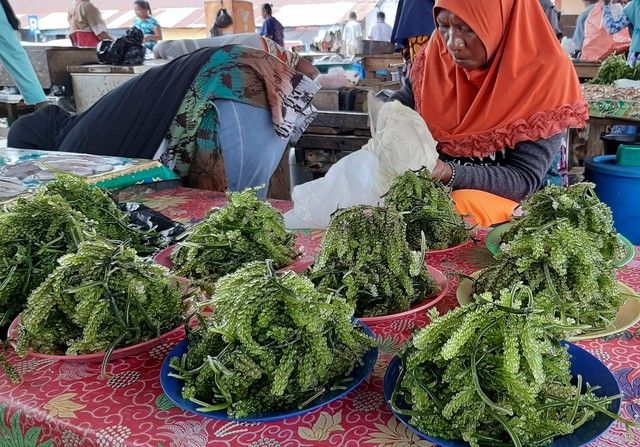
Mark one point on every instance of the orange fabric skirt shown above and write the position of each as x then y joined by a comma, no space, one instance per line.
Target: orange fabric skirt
483,208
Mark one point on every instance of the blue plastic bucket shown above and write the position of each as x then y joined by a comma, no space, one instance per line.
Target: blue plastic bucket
618,187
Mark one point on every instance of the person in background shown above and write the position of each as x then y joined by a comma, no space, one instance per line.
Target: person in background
413,27
146,23
381,31
352,36
87,29
15,59
630,18
552,15
498,94
271,28
578,35
221,118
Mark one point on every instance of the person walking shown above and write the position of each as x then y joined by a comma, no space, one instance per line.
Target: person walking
15,59
271,28
352,36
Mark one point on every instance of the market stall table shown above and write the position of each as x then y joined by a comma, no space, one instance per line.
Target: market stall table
69,404
609,106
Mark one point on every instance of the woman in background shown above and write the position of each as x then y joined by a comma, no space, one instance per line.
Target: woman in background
146,23
221,118
271,28
87,29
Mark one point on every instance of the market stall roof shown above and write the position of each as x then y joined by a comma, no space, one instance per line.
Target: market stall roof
52,14
295,13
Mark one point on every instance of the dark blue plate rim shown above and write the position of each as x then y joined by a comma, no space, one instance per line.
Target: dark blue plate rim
172,387
392,372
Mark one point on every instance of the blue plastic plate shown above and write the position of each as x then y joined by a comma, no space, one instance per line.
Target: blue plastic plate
592,370
172,387
493,243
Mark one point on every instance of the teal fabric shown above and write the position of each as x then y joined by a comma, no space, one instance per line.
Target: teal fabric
632,11
15,60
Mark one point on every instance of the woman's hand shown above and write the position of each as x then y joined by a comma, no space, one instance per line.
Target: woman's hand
442,172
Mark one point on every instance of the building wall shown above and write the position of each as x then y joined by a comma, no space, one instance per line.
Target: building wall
570,6
183,33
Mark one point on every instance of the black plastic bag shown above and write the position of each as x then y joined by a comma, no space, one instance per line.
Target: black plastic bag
223,19
125,50
165,230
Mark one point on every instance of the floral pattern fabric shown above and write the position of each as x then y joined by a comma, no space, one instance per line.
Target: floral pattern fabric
69,405
245,75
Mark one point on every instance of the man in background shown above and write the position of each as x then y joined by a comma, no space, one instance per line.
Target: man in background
352,36
381,31
15,59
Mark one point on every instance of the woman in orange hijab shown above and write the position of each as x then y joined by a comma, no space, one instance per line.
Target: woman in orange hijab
498,94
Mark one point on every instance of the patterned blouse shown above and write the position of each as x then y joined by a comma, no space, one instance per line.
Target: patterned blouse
615,25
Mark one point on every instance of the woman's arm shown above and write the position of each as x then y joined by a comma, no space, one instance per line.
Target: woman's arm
611,24
156,36
520,175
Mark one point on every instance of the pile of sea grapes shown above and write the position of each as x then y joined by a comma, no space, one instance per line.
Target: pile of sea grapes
273,343
102,297
365,257
427,208
244,230
494,373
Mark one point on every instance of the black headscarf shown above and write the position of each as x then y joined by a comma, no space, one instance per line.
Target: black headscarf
11,16
130,121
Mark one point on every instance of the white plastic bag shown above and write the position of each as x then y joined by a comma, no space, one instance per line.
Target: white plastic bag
336,79
402,142
568,45
354,180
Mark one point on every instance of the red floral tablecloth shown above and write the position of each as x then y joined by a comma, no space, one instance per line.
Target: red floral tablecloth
68,405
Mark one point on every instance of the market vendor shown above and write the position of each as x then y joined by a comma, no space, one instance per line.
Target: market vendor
220,117
498,93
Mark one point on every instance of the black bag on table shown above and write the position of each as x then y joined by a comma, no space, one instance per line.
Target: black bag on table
125,50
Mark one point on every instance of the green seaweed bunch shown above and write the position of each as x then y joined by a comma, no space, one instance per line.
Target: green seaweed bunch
100,298
577,204
273,343
494,373
35,232
616,67
244,230
565,269
426,207
96,205
365,257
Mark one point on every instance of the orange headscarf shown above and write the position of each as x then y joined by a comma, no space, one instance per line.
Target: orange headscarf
529,90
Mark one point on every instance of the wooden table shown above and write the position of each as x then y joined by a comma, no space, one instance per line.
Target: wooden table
586,70
375,62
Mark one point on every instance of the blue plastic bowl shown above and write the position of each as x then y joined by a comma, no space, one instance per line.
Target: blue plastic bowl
592,370
172,387
618,187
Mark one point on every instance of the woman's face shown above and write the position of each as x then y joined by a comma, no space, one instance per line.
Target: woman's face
464,45
140,12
